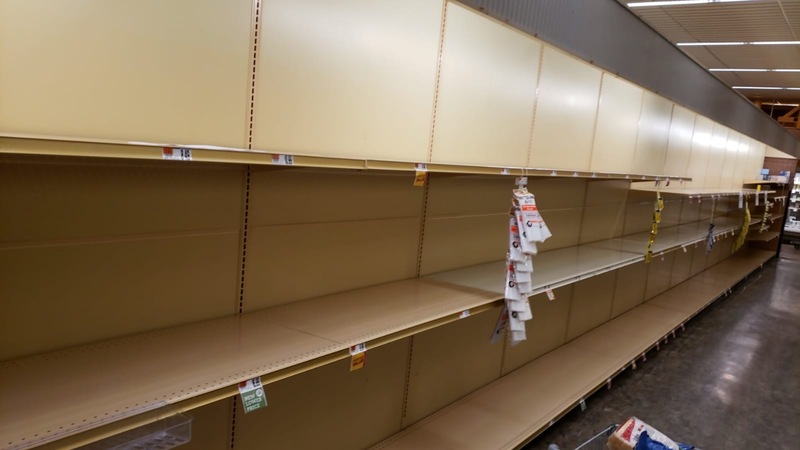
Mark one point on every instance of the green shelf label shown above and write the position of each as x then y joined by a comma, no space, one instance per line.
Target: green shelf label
252,395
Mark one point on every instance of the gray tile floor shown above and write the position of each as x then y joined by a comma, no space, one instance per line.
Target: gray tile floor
789,252
730,381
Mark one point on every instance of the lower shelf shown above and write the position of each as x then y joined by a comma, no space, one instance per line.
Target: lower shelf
511,410
137,378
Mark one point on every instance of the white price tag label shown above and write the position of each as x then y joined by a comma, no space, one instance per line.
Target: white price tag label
176,153
252,394
464,314
421,167
504,171
521,181
551,295
358,348
283,160
583,405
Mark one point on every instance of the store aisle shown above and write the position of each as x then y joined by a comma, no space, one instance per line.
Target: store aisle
731,381
789,252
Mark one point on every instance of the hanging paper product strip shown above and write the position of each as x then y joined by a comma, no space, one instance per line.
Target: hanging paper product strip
515,252
526,227
535,229
745,227
526,244
659,207
710,238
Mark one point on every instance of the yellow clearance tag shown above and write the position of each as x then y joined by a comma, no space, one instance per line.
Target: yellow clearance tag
358,356
654,229
657,217
358,361
420,178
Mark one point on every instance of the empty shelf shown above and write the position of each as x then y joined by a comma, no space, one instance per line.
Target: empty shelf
85,387
762,182
672,238
509,411
763,237
694,192
550,269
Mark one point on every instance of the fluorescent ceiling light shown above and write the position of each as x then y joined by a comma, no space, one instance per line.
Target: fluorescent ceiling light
752,70
739,70
680,3
772,88
719,44
708,44
776,43
780,104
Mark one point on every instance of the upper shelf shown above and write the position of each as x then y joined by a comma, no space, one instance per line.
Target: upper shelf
29,145
762,182
86,387
674,238
694,192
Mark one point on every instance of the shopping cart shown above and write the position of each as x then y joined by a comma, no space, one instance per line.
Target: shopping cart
598,442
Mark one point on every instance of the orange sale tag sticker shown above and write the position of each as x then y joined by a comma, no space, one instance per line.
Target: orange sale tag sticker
420,178
358,356
358,361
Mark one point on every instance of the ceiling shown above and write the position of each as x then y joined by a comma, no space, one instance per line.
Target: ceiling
737,21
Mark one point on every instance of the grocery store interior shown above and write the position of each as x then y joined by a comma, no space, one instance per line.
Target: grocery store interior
420,224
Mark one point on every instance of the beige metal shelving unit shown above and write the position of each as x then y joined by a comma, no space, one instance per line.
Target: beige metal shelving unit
175,231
